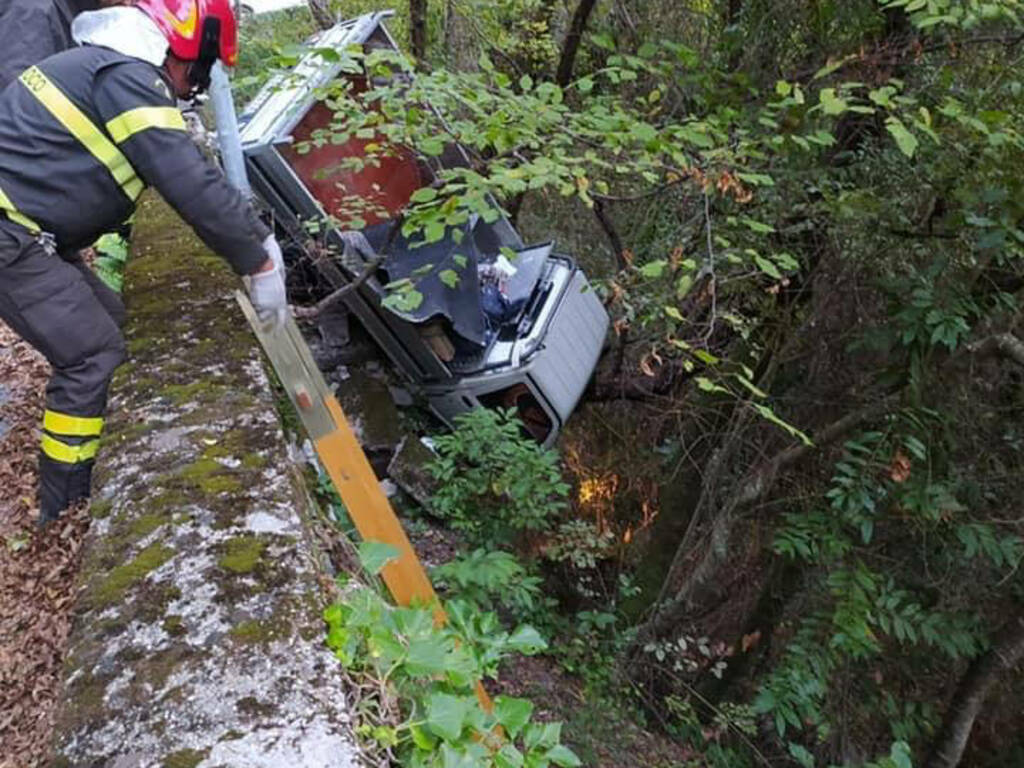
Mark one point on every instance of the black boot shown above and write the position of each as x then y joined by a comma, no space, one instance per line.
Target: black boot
61,485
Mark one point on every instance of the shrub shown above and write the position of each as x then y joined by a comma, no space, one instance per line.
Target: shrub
496,484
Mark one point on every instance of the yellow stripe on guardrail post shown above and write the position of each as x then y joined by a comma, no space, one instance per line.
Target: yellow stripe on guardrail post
346,464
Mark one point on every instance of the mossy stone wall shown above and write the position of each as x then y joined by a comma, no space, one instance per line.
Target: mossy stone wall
198,638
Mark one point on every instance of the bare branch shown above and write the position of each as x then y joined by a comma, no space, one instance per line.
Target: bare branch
1006,653
329,301
754,487
572,41
612,233
1004,344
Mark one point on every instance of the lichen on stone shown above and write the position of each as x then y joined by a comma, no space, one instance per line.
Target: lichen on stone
199,587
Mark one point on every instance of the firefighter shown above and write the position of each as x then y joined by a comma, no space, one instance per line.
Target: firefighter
82,133
30,31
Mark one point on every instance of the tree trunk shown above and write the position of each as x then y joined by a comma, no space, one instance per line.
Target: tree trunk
613,235
688,589
418,29
732,12
322,15
567,61
1006,652
460,45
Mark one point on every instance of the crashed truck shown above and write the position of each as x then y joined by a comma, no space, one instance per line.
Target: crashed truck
535,353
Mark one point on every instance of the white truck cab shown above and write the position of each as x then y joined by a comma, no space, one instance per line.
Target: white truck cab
536,354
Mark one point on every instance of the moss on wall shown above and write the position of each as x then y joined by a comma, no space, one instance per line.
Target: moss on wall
122,577
193,472
242,554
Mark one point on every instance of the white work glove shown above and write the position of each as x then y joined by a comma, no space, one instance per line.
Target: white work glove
273,251
267,291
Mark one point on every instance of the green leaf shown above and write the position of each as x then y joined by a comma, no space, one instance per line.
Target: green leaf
757,226
683,286
526,640
653,269
446,715
831,103
404,301
757,179
427,656
434,231
900,755
767,267
432,147
674,313
374,555
563,756
513,714
422,739
905,140
547,735
449,277
769,414
424,195
706,385
508,757
801,755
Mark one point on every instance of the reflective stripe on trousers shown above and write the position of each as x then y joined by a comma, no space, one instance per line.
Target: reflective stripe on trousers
62,436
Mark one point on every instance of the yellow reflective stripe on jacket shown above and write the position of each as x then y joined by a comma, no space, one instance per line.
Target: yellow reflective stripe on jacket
69,454
72,426
127,124
83,129
15,215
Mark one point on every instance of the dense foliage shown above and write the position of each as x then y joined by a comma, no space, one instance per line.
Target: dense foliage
805,219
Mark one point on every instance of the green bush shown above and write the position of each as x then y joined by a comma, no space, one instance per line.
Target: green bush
491,580
496,484
432,672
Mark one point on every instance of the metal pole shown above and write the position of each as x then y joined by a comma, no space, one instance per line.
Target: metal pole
228,137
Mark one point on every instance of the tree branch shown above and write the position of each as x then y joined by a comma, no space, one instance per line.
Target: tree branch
757,484
1004,344
1006,652
612,233
338,295
567,61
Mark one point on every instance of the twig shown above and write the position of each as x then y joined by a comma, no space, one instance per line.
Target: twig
709,269
329,301
612,233
703,700
371,266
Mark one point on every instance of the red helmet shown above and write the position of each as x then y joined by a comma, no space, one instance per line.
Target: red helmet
196,30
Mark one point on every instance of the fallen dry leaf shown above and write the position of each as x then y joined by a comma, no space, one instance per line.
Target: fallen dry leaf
899,468
37,569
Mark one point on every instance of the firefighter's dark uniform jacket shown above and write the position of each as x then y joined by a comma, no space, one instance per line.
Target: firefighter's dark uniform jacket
32,30
81,135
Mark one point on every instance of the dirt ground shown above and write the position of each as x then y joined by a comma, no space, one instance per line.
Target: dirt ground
37,569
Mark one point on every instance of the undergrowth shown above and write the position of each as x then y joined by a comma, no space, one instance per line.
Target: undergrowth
428,675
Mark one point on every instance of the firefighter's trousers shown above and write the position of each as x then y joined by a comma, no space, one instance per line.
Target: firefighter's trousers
66,313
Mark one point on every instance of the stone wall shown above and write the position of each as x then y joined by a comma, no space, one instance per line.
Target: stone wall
198,641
